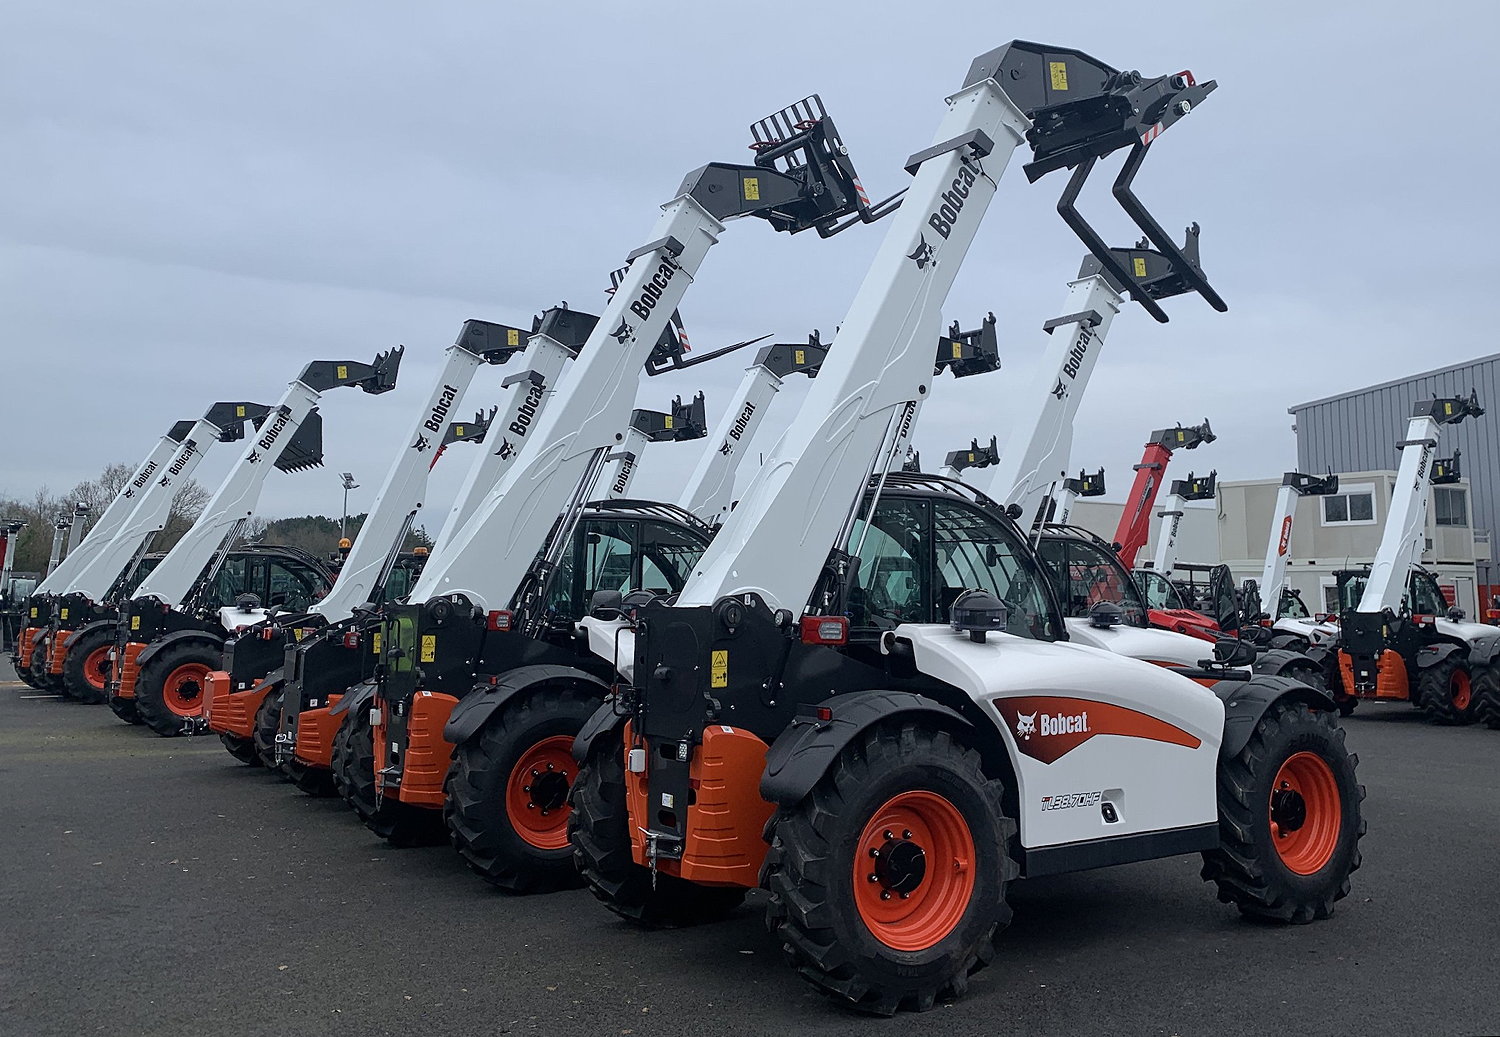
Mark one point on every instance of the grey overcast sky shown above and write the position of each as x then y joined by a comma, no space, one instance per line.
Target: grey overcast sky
199,198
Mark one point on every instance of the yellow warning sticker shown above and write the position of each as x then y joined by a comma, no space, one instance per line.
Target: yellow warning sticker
64,613
751,185
343,371
958,351
135,622
1181,436
375,642
458,430
297,633
1140,266
718,670
971,457
669,421
512,337
799,356
33,613
429,648
1447,409
239,411
1059,71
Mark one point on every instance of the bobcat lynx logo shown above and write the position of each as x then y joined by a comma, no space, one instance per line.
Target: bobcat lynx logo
726,449
1060,390
164,481
1025,725
129,494
254,457
506,451
923,255
421,444
623,332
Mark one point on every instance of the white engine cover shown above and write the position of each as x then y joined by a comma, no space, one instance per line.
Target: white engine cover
1086,727
1153,645
1313,632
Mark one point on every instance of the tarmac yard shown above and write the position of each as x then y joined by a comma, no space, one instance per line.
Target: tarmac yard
156,886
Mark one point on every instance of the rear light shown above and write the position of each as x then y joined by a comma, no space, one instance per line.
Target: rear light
824,714
1265,623
240,629
351,639
499,619
825,630
1425,621
266,632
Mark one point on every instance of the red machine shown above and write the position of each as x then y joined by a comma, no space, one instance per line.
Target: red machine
1135,523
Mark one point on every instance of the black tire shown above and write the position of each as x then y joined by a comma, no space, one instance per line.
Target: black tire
399,824
1250,869
1487,697
76,668
125,710
241,748
151,686
599,831
1445,691
23,673
357,772
314,781
267,723
1306,673
816,846
481,827
340,759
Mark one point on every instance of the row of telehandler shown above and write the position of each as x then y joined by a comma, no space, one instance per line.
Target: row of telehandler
880,695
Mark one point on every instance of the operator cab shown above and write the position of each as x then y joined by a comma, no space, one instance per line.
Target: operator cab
1086,572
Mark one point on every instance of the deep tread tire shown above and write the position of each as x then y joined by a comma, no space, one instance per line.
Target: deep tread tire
809,872
150,699
399,824
1247,867
81,649
357,766
23,674
267,723
241,748
1487,697
599,831
125,710
1436,691
340,758
479,823
313,781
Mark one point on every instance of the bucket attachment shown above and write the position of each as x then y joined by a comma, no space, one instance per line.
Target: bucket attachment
306,448
373,378
969,352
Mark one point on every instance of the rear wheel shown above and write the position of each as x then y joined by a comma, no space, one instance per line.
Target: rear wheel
315,781
172,687
1445,691
599,830
888,880
1487,697
357,773
507,803
125,710
1289,818
340,759
267,723
400,824
241,748
86,668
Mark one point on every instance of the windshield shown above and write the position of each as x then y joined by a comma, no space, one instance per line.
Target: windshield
1083,574
1426,596
1292,606
1160,594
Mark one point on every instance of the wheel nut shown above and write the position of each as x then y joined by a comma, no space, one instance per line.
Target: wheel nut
885,894
906,833
874,877
550,767
889,835
905,896
874,851
525,788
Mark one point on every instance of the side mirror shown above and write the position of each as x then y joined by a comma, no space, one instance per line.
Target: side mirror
1456,614
606,604
1231,652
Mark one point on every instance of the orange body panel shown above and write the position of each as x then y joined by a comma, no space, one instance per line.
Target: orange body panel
58,654
232,712
130,670
1390,676
315,731
24,646
724,822
428,754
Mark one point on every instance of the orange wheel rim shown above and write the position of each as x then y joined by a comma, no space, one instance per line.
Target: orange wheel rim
914,871
185,688
96,666
536,796
1306,813
1460,690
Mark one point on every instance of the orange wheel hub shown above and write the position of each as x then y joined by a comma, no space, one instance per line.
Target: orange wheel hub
96,667
1461,690
914,871
185,688
1306,813
536,796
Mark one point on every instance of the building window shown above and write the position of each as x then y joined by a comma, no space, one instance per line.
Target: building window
1450,506
1354,507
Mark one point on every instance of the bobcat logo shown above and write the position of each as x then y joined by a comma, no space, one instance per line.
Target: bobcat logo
923,254
254,457
623,332
129,494
1025,724
726,448
421,444
506,451
1060,390
165,481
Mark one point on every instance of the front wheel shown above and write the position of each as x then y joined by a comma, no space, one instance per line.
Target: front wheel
240,747
267,723
888,881
507,802
172,687
1446,693
86,667
599,830
1289,818
1487,697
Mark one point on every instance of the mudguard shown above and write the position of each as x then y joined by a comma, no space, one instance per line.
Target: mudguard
1275,661
270,680
358,695
1484,651
175,638
474,710
802,754
1431,655
99,624
1245,702
604,720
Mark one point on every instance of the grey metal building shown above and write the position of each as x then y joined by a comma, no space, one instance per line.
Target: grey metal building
1358,431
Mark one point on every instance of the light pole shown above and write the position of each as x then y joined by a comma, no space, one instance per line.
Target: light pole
349,484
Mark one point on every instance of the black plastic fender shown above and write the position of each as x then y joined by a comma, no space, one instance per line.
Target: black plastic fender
802,754
604,720
99,624
1275,661
476,708
1245,702
178,637
1484,650
1430,655
358,695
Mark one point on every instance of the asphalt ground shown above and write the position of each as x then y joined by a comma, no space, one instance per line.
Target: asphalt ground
156,886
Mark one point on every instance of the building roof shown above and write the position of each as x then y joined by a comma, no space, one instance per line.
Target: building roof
1294,408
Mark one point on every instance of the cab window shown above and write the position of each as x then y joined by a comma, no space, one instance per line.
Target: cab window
668,555
974,552
1084,574
233,579
294,585
1159,592
1427,597
892,583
